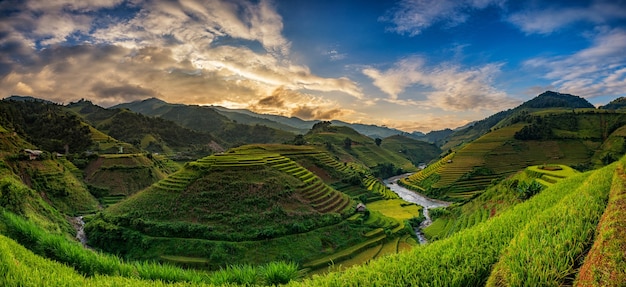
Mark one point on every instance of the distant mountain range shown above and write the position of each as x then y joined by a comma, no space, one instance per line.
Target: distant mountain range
157,107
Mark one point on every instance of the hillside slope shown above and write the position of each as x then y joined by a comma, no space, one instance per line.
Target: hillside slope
580,138
206,119
350,146
253,204
546,100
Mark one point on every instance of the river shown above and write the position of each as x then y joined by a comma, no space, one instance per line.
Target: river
417,198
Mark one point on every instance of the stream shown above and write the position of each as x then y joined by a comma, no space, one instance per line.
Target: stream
79,225
417,198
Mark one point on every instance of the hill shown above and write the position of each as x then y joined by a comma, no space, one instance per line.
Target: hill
46,125
418,152
546,100
144,133
270,208
581,138
616,104
350,146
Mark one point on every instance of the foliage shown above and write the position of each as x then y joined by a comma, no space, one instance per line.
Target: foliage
378,141
385,170
538,130
347,143
46,125
526,189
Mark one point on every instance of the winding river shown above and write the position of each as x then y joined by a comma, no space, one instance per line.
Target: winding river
417,198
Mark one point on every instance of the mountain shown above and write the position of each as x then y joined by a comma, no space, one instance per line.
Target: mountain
149,133
208,120
581,138
302,126
350,146
17,98
546,100
436,137
616,104
550,99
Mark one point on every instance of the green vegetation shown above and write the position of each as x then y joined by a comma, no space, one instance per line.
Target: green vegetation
605,264
45,125
415,151
546,251
467,257
361,149
270,208
578,138
111,178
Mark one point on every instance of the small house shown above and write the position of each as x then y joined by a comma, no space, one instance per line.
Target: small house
360,207
32,154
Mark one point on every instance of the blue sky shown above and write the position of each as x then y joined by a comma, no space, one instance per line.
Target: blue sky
409,64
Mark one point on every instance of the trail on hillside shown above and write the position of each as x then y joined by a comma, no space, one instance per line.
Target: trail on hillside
417,198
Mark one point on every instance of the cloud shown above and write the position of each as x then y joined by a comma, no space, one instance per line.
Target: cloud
599,70
413,16
185,50
335,55
545,20
448,86
308,113
126,92
292,103
275,100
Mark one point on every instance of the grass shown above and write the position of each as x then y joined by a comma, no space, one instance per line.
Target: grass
546,251
605,264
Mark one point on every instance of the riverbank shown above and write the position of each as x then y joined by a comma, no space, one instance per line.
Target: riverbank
417,198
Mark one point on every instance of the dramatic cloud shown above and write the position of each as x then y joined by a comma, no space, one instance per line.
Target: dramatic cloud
183,50
290,103
413,16
449,86
545,20
599,70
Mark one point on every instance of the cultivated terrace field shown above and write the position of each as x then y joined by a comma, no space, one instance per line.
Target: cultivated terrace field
582,138
270,208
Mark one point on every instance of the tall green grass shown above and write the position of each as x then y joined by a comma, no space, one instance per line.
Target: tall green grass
93,264
605,264
547,251
464,259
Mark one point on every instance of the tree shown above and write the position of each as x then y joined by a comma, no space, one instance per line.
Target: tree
378,141
347,142
299,140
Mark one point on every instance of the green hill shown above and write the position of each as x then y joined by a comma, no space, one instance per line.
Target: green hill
111,178
45,125
546,100
143,132
616,104
350,146
580,138
414,150
252,205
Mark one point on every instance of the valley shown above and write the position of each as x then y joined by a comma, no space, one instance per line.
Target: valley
151,193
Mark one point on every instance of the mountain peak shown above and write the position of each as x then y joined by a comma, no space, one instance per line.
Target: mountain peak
551,99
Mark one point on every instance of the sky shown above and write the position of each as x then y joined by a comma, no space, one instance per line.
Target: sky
414,65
